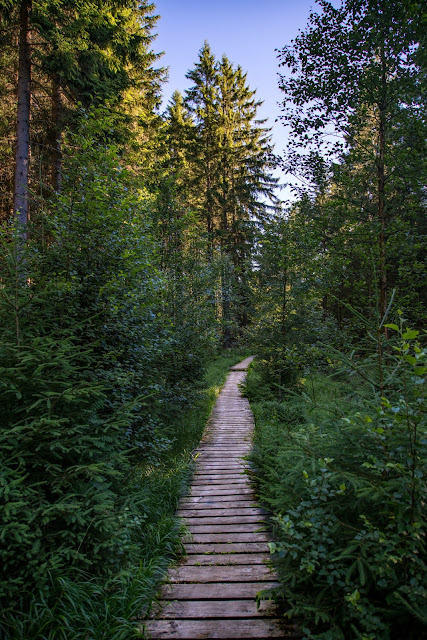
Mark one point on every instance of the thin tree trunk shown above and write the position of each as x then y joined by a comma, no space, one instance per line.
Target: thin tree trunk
56,136
284,304
225,289
381,191
22,155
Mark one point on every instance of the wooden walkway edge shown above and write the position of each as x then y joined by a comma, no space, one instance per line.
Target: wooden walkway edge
213,593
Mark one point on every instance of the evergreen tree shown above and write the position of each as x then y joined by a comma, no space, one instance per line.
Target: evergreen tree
231,159
201,101
80,53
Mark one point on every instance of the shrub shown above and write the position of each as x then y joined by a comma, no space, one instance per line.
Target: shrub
347,484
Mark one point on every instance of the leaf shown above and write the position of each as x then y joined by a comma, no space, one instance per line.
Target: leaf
410,335
392,326
420,371
411,359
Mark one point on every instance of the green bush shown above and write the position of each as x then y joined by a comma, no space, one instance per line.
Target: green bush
343,468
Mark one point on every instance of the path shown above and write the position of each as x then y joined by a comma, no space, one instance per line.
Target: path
213,593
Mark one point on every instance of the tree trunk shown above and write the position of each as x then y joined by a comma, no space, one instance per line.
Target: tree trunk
22,155
381,190
56,137
284,304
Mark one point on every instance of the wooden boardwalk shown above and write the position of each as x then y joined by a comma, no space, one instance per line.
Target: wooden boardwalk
213,593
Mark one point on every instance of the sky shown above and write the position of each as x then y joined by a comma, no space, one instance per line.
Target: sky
247,31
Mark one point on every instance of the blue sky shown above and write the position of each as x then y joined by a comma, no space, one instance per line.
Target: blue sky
247,31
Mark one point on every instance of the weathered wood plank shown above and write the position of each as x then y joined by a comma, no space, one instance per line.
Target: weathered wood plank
199,473
215,513
216,467
200,538
211,477
206,499
222,464
217,559
235,482
227,548
218,478
223,521
225,528
216,590
216,629
219,459
220,490
225,573
182,609
213,505
225,450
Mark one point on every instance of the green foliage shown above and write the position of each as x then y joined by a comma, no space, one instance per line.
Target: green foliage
343,468
353,105
98,398
225,154
70,413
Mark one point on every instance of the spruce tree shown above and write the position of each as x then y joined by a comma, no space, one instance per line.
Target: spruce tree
231,159
201,101
80,53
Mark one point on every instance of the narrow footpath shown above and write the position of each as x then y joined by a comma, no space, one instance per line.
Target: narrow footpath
213,593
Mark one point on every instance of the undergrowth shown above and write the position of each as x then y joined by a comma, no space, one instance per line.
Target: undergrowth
341,463
76,604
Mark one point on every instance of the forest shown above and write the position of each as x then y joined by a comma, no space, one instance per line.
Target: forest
144,251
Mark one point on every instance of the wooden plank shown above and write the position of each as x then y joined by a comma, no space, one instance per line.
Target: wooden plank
215,629
224,491
210,520
225,547
219,459
216,590
201,538
224,528
236,482
218,453
224,450
226,573
217,478
231,441
231,426
216,467
214,504
222,464
182,609
225,468
221,472
207,499
240,511
237,468
233,475
212,559
220,490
